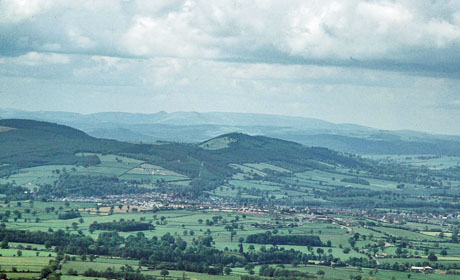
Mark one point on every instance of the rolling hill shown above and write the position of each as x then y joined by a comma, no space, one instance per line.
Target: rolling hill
59,161
193,127
28,143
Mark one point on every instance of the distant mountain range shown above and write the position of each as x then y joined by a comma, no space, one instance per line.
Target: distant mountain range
194,127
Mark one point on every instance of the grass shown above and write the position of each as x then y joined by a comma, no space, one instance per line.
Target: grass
408,234
256,185
81,267
307,186
217,143
24,263
261,166
174,274
177,221
22,275
111,165
346,272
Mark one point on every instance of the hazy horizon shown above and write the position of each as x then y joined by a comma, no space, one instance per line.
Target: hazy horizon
221,112
384,64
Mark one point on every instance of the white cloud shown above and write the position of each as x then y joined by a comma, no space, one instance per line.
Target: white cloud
304,57
168,36
442,33
80,40
255,30
51,47
13,11
36,59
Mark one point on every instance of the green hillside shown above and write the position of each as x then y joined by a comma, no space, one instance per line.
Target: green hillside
193,127
236,203
32,143
60,161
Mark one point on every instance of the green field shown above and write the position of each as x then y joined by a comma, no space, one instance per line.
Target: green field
224,208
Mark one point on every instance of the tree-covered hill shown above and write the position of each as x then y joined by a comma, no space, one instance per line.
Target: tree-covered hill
244,148
32,143
225,160
194,127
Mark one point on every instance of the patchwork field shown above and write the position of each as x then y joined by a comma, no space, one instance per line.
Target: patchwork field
289,215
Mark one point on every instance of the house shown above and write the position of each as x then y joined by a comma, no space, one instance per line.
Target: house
424,269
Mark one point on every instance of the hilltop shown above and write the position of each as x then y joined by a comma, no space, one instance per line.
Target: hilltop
61,161
28,143
194,127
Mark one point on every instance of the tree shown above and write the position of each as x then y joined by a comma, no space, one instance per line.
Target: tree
4,244
352,242
249,267
164,273
227,270
444,252
19,253
432,257
232,233
45,272
454,236
54,276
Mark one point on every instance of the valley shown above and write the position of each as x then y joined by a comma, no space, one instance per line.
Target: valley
232,207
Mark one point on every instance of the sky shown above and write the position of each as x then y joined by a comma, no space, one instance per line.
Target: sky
385,64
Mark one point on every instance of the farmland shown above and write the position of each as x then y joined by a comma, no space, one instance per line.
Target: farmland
189,225
231,208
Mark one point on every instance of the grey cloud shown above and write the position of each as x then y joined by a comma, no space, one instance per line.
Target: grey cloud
422,37
390,64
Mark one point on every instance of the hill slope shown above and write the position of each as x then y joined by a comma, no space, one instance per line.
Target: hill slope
225,167
193,127
33,143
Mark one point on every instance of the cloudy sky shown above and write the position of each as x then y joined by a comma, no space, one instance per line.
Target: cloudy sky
385,64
